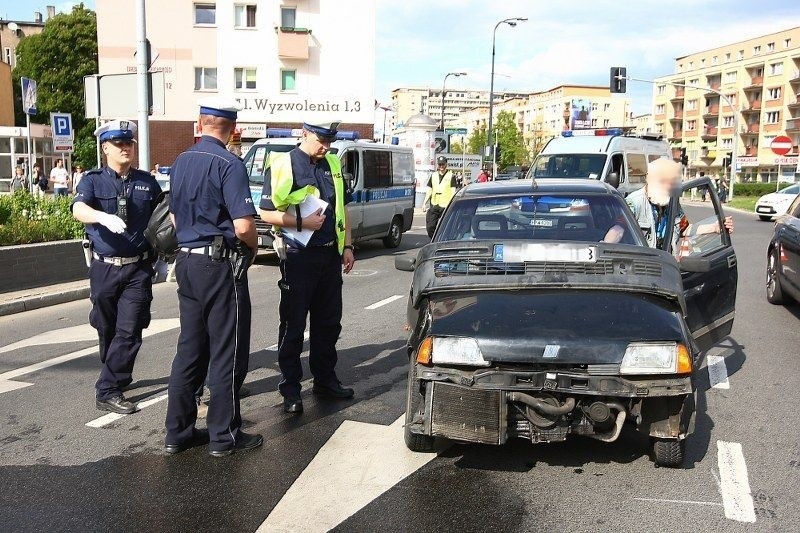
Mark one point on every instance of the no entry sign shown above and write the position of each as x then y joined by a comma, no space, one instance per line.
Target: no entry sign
781,145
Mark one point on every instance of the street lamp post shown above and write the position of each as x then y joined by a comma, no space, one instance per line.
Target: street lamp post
511,22
444,81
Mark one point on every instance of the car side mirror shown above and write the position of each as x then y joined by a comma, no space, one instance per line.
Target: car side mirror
695,264
613,179
405,262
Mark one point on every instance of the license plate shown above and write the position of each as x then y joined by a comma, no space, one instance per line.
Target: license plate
550,253
542,222
763,209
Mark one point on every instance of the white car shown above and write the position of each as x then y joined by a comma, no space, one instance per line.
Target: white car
776,203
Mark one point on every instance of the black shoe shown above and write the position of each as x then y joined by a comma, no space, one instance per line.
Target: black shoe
198,438
333,390
292,405
117,404
244,442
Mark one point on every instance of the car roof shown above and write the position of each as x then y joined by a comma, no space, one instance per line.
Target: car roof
543,186
600,144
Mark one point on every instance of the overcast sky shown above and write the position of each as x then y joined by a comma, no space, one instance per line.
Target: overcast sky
565,41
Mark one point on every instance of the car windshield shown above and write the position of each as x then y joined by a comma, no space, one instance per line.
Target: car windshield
794,189
569,166
581,218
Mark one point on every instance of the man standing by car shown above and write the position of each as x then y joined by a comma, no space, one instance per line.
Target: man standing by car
441,188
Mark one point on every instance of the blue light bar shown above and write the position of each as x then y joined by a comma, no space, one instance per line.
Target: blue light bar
347,135
279,132
605,132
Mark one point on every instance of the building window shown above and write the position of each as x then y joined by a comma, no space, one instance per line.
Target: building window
775,69
594,106
660,109
9,57
770,47
774,93
691,64
606,122
661,89
288,17
244,16
714,60
787,43
594,122
772,117
244,78
731,98
205,79
691,105
694,82
702,62
728,57
205,14
740,55
606,107
727,143
691,125
730,77
727,122
288,80
756,50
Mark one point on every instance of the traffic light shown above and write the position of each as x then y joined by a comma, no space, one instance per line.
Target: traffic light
684,158
618,83
497,152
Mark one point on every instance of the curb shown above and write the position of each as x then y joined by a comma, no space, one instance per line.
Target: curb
42,300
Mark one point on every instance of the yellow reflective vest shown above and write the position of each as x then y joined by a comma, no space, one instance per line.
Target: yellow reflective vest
441,190
283,196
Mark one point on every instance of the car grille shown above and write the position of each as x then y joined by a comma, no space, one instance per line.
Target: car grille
468,414
262,228
471,267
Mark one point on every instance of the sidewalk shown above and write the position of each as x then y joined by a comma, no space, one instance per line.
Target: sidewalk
29,299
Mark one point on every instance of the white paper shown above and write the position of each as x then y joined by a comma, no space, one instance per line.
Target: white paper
307,207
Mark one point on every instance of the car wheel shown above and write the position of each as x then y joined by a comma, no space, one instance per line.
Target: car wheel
414,441
774,291
668,452
392,240
764,218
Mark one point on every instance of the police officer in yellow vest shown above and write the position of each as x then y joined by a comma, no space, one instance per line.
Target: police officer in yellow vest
441,188
311,274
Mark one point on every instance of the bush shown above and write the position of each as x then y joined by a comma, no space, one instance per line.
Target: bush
756,189
25,219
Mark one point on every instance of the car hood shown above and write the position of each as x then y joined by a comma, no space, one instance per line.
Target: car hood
776,198
555,327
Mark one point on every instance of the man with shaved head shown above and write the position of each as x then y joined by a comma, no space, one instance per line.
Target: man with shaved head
650,206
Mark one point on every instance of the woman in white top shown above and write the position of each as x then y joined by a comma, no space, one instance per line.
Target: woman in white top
76,177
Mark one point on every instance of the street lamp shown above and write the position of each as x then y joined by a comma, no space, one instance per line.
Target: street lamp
455,74
511,22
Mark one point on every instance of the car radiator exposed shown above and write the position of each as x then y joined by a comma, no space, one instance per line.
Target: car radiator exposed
466,266
473,415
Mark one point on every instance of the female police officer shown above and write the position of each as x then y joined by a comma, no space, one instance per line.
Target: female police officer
115,203
311,281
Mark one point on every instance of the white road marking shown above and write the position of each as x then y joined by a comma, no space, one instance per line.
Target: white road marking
688,502
383,302
84,332
734,485
8,386
382,355
113,417
274,347
717,372
368,459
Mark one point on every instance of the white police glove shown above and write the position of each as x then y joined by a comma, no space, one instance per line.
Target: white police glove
112,222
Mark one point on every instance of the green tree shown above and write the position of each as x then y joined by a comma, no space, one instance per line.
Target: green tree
512,144
58,59
477,140
456,147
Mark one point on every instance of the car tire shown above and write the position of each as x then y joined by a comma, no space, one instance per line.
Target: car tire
414,441
774,290
392,240
668,452
765,218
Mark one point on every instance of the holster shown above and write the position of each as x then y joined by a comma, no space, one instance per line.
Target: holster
87,250
279,245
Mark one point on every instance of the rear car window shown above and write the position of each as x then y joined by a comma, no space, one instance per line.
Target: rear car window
578,218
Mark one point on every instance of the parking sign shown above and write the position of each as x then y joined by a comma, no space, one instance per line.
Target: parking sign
61,124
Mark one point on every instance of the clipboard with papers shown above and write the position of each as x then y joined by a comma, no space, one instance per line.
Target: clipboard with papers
310,205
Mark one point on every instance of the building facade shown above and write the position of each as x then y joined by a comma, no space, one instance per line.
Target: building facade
13,31
760,79
285,62
643,124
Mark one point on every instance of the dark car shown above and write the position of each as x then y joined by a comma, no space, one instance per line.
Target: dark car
538,312
783,257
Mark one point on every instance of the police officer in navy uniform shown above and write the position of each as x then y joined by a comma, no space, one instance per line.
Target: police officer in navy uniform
212,210
311,275
115,202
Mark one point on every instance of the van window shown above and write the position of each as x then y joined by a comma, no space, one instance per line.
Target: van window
350,167
637,167
377,169
569,166
256,160
402,168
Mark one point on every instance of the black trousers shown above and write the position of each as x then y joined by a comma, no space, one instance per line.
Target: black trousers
311,286
121,299
432,217
214,340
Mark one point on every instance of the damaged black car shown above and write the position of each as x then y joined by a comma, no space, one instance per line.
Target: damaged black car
539,312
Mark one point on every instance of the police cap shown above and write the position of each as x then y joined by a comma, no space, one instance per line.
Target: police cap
220,107
124,130
326,131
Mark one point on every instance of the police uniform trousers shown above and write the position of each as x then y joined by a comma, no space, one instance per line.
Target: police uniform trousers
214,340
311,285
121,297
432,217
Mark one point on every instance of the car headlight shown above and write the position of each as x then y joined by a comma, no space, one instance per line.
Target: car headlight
656,358
455,351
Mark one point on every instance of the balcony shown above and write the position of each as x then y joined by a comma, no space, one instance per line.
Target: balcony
676,135
712,110
707,152
709,134
677,117
751,151
793,105
678,95
714,85
751,129
756,83
793,125
795,77
676,153
293,43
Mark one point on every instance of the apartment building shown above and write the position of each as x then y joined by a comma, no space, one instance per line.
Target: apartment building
642,123
13,31
759,83
285,62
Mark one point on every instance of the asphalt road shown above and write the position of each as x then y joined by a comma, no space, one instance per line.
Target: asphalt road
343,466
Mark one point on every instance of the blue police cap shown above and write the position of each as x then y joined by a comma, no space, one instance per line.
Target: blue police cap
325,130
124,130
220,107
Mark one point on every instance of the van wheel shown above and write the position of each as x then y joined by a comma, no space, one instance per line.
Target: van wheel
765,219
668,453
392,240
774,291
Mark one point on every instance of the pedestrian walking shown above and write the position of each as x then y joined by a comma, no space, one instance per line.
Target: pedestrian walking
703,190
311,275
723,191
441,188
484,176
17,180
59,177
40,181
115,202
213,213
76,177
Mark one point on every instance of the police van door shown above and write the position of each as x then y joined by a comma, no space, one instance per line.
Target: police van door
353,179
377,207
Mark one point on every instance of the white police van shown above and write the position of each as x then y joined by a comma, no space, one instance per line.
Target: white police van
379,176
609,155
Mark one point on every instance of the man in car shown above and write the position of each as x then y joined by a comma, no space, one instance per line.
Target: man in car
650,206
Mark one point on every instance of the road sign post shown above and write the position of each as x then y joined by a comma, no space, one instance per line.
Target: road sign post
780,146
29,94
63,134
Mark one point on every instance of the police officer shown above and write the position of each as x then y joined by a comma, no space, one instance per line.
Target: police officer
213,212
115,203
441,188
311,275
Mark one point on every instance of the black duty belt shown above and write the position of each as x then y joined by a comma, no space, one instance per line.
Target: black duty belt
207,250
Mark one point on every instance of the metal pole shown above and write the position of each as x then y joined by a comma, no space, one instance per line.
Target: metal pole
97,117
383,133
778,181
491,94
30,152
141,78
444,81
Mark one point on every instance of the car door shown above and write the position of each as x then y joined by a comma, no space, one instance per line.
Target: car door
707,262
377,170
789,239
351,170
